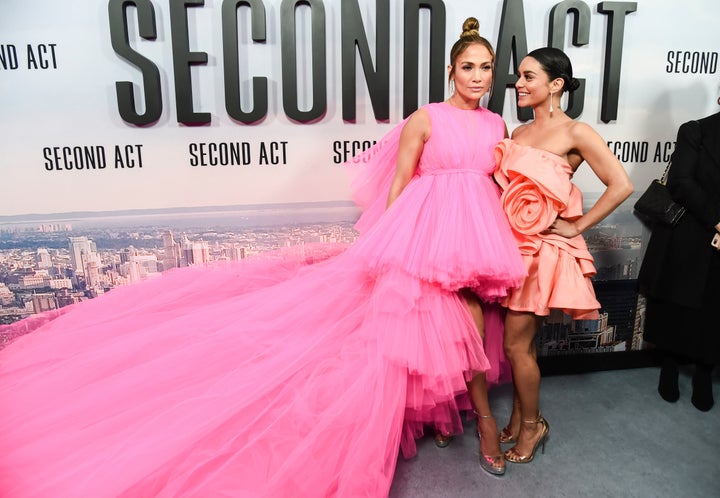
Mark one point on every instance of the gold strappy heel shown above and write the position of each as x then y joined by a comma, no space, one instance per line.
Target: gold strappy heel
493,464
506,436
513,456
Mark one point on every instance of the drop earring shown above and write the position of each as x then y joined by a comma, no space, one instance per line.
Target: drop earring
452,87
551,99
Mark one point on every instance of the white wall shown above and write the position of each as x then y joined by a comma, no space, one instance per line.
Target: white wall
72,102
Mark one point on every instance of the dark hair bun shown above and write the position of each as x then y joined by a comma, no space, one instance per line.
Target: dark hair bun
573,85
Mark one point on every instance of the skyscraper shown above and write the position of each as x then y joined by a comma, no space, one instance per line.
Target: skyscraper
200,252
127,254
42,258
171,258
78,247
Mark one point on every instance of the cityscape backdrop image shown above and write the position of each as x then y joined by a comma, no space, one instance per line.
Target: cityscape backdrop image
141,136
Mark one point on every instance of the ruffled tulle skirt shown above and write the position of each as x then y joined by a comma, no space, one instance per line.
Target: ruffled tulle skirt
458,235
267,378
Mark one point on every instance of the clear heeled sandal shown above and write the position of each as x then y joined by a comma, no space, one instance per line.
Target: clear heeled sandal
442,440
492,464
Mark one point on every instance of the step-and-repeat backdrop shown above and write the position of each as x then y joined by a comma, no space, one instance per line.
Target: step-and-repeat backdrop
142,135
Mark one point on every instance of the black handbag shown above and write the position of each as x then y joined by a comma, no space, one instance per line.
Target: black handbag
656,205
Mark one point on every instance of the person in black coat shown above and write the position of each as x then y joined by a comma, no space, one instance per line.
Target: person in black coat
680,273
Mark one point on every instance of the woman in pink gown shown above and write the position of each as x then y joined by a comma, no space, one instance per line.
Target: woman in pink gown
545,211
278,377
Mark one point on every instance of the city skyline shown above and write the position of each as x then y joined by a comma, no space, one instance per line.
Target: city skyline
56,264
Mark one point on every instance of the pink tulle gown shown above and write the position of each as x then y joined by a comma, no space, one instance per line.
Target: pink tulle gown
274,377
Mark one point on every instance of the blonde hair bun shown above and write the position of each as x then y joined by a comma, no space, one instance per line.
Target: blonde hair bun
471,27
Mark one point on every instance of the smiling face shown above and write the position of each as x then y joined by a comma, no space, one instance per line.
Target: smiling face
472,73
533,85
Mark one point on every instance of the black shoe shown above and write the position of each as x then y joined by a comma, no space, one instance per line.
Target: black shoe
702,397
668,384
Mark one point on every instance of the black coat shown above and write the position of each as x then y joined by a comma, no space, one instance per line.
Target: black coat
678,262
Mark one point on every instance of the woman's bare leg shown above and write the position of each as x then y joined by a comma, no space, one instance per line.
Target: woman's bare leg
520,331
487,427
510,431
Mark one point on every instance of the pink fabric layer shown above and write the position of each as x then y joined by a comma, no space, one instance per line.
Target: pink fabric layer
301,373
452,191
537,188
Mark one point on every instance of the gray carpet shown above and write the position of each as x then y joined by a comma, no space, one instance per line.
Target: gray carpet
611,435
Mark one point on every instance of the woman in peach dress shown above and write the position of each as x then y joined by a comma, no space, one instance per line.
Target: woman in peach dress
544,208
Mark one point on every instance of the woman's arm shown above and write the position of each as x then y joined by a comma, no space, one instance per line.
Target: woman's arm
593,149
412,140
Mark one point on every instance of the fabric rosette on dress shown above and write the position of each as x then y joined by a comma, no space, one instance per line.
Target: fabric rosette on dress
537,189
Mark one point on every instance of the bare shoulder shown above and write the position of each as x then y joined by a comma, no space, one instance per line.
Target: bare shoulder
581,132
418,124
420,115
518,132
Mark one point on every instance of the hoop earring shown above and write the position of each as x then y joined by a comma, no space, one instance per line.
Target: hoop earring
718,100
551,99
